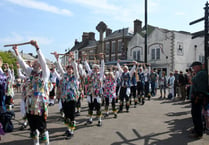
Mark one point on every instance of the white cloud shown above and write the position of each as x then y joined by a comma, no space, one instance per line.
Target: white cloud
94,4
41,6
117,10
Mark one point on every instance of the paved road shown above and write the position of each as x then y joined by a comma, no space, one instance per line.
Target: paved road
158,122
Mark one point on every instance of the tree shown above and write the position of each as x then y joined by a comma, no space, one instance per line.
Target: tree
8,57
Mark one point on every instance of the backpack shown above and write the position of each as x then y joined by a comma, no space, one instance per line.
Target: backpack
6,121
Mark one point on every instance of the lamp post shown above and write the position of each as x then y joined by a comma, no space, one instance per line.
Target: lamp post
145,36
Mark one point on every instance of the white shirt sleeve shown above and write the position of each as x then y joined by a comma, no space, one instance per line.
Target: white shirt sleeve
60,68
120,70
102,70
26,68
132,70
87,67
20,74
44,67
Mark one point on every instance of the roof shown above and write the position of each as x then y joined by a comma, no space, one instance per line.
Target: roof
84,44
127,32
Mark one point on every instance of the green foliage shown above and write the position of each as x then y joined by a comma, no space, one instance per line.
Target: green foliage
9,58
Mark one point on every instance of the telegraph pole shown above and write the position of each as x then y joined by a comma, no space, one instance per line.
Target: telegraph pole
145,36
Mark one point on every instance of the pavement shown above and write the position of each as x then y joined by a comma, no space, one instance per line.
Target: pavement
157,122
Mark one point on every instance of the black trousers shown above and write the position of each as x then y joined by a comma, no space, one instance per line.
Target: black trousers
69,109
122,97
107,102
133,91
94,105
78,103
197,118
140,88
36,122
52,92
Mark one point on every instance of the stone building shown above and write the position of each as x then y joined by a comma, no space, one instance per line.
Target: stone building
167,49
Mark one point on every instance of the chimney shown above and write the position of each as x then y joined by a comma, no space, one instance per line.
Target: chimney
91,36
137,26
76,42
108,31
85,36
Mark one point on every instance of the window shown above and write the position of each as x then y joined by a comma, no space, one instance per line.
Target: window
107,47
158,53
120,46
136,55
201,58
155,54
113,47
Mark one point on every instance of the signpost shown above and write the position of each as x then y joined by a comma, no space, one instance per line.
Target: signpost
204,33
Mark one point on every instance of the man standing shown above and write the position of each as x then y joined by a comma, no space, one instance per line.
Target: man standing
94,91
199,98
53,78
37,95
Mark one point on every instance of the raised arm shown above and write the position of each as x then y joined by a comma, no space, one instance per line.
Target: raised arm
42,61
133,69
19,73
26,68
57,74
59,64
119,67
75,66
102,66
81,70
87,67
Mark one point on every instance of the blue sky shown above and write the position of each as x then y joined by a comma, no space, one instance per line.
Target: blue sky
55,24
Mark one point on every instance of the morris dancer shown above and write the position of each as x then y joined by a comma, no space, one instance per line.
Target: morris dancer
9,89
69,93
110,84
140,83
37,95
82,75
3,85
147,81
25,83
133,88
125,91
53,78
94,89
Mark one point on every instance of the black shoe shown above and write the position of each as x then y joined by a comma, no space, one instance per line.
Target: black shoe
89,122
115,115
23,126
68,134
195,136
106,114
99,123
120,111
143,102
